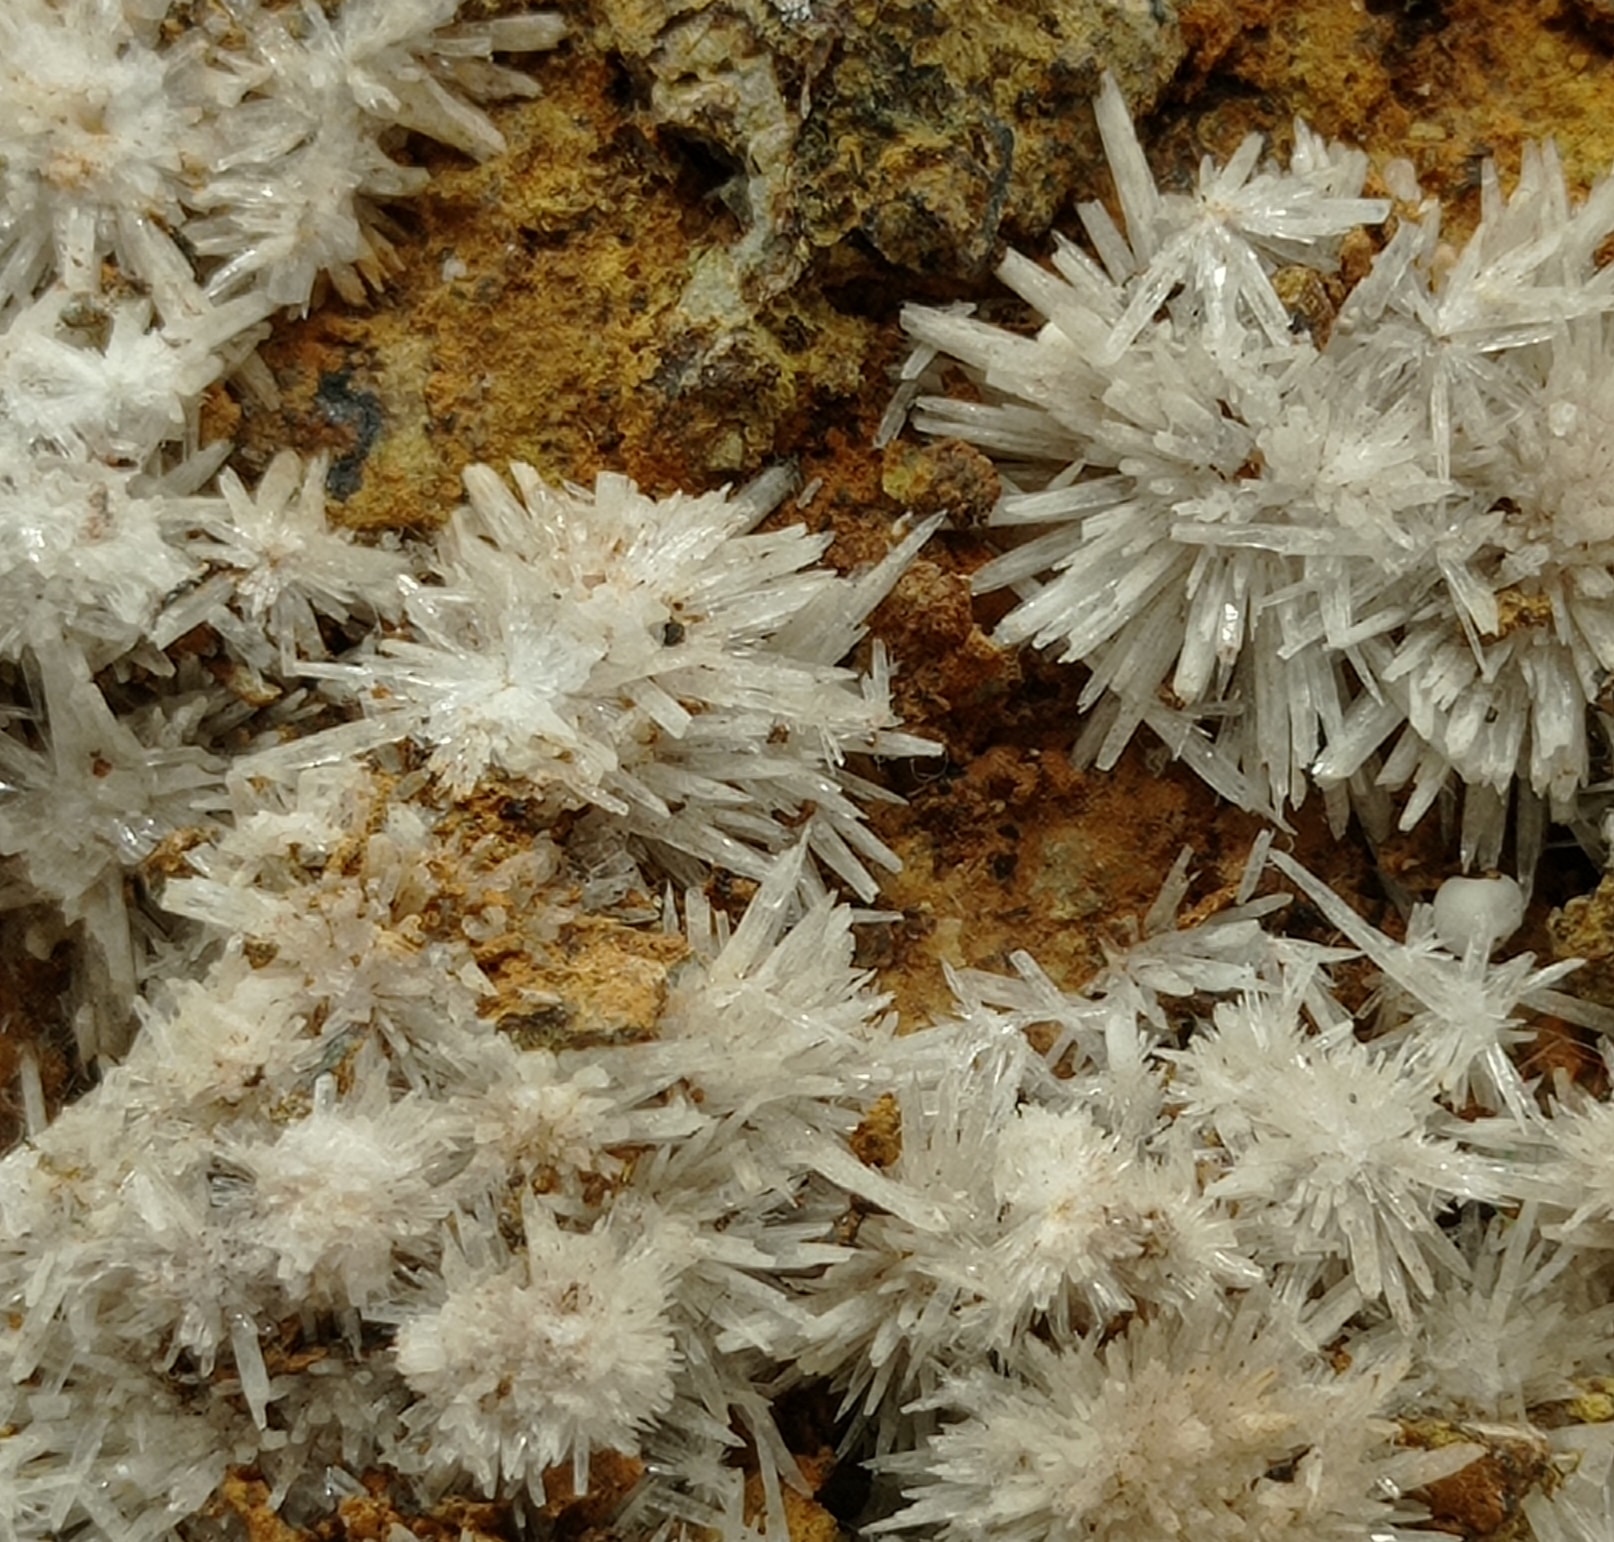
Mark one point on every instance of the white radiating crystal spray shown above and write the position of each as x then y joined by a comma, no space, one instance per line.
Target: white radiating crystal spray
1364,548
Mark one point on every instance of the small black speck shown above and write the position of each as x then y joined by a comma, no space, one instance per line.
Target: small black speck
341,403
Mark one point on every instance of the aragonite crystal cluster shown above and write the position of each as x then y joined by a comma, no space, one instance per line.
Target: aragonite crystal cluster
454,1140
1363,543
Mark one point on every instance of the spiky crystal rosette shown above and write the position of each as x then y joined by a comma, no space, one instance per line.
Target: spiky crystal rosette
1291,537
660,661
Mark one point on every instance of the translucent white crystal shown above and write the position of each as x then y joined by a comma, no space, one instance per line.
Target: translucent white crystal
521,1368
1278,548
654,659
1477,913
1223,1426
